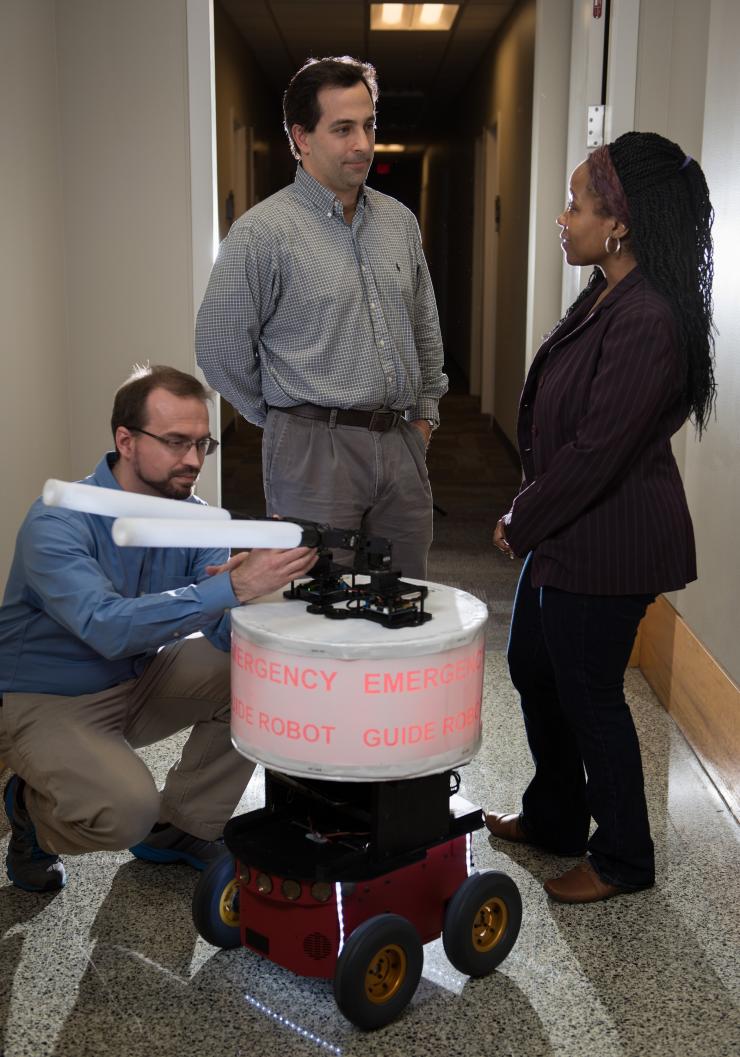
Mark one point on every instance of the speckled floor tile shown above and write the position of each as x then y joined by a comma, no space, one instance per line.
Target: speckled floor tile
112,965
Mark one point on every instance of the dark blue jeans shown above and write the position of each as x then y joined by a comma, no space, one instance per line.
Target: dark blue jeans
567,656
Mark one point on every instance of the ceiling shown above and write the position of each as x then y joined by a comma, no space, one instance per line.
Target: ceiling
419,73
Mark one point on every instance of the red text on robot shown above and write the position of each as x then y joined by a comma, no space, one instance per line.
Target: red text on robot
407,682
282,674
281,727
393,737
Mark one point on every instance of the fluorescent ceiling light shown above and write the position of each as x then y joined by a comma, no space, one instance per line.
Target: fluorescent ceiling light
389,148
412,16
392,14
430,14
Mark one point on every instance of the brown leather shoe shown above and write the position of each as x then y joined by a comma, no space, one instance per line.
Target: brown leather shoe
507,827
582,884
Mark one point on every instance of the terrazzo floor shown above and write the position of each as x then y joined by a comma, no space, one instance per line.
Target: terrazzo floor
113,966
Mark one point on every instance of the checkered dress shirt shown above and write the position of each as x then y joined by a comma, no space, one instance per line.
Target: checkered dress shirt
304,308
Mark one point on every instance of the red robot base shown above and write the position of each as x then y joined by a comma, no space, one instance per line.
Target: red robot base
348,880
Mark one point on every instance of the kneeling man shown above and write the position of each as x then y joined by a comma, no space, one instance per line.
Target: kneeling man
103,651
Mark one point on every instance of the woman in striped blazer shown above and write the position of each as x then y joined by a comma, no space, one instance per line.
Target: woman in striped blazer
601,516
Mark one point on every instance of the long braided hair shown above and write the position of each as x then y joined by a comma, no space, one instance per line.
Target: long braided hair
661,195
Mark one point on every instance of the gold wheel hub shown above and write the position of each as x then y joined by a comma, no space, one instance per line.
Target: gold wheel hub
489,924
228,904
385,973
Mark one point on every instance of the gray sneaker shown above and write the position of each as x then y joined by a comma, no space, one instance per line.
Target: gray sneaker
29,866
168,844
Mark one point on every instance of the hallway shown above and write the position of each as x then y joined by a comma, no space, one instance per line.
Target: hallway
113,966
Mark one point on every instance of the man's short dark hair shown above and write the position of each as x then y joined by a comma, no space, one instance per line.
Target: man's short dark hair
129,404
300,101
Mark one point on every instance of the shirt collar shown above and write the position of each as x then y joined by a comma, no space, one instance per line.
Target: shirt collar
321,196
102,475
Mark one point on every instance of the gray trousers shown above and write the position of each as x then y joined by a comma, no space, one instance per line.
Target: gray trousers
88,790
352,477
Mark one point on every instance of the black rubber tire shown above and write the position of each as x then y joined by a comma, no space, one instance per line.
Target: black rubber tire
482,922
216,903
378,971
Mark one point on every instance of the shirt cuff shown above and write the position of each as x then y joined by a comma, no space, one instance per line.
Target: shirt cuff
428,409
217,595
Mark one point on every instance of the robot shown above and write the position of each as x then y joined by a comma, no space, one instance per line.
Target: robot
346,880
348,869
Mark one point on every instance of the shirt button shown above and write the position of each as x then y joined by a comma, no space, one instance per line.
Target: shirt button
381,343
364,268
177,634
372,304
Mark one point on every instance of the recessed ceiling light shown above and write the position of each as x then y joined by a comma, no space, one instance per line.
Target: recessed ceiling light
412,16
392,14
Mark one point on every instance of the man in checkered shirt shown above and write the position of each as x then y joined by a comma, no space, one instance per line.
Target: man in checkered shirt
320,325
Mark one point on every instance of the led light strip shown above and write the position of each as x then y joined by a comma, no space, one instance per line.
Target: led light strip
340,916
287,1023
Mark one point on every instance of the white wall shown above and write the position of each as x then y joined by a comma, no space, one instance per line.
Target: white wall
123,101
34,433
97,222
669,98
549,178
711,469
688,84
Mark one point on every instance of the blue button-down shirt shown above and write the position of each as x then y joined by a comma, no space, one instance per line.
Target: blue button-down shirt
81,614
302,307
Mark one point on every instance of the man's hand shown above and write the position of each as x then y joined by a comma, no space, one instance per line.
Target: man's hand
499,538
262,571
423,426
234,561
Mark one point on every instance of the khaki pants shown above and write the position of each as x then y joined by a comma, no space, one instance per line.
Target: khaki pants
87,790
351,477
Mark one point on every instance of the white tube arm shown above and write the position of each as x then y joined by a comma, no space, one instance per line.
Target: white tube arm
111,502
166,532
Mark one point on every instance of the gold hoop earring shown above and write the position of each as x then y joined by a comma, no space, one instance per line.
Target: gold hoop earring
618,250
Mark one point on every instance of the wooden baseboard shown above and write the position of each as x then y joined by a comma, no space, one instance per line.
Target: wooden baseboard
697,692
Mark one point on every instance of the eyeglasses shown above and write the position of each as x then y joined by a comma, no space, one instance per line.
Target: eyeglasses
181,446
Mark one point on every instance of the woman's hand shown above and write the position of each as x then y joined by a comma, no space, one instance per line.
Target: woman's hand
499,538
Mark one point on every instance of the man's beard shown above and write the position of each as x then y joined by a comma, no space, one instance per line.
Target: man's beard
168,487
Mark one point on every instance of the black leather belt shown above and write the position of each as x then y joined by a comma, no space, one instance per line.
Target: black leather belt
376,420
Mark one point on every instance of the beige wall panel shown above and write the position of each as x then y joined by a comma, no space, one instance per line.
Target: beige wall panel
502,90
123,98
549,173
710,606
34,435
513,102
